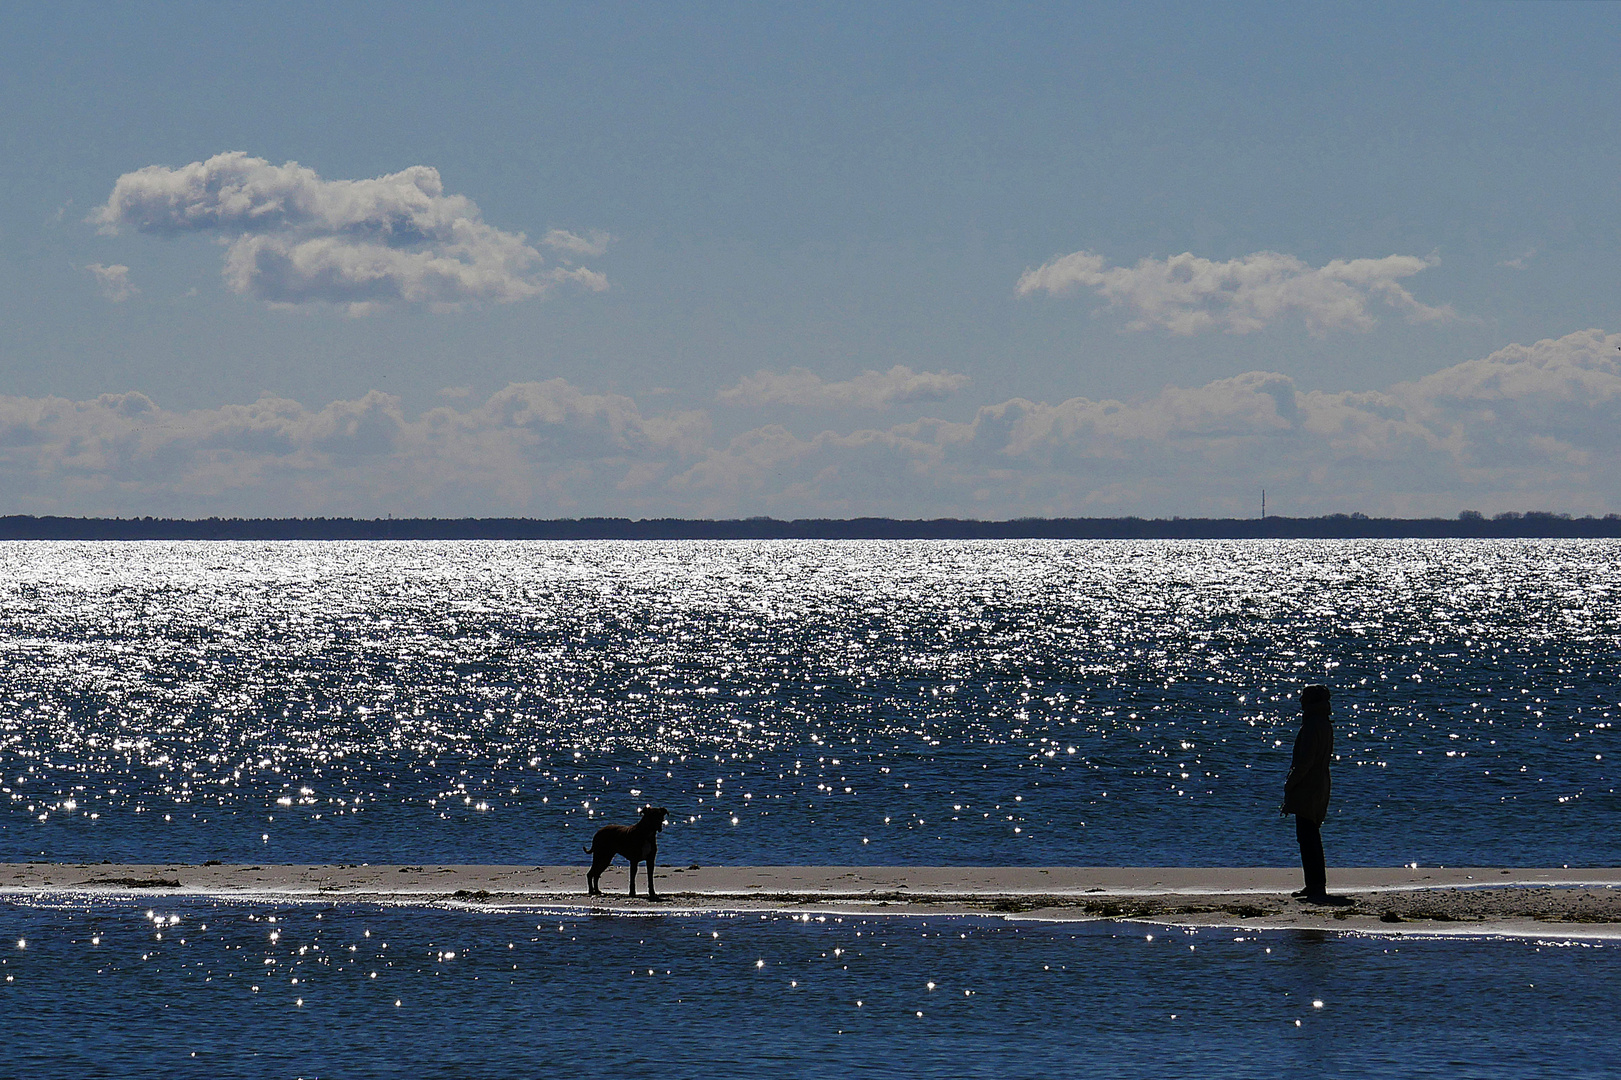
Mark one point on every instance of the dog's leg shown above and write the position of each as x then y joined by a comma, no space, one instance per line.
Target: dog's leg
633,877
652,857
593,878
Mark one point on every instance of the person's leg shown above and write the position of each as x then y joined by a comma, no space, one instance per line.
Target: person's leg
1310,835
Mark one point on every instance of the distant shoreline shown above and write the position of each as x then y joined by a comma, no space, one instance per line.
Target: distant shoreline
1328,527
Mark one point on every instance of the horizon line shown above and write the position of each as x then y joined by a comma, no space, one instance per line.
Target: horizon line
1467,525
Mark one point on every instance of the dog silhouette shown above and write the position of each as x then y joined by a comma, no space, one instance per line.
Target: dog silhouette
638,843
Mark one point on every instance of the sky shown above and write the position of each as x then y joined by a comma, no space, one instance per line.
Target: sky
724,260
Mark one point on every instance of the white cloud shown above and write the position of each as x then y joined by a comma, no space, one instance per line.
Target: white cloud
1527,427
532,447
871,389
114,281
568,243
1187,295
294,238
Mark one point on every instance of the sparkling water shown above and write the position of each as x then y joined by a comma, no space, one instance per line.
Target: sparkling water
929,702
199,988
810,702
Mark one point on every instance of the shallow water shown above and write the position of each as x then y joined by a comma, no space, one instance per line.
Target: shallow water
207,988
1011,702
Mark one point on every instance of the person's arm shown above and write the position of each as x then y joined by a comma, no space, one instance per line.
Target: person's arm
1312,748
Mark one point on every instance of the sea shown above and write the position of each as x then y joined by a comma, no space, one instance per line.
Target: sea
794,702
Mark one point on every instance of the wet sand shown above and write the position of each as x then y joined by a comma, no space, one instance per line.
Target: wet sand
1582,902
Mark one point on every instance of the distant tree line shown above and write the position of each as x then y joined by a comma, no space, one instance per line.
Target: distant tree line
1343,526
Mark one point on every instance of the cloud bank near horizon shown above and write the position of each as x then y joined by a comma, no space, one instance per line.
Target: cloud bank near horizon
899,385
1187,295
293,238
1528,427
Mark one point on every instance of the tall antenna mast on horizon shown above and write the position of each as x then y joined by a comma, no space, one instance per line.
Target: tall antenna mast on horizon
1263,504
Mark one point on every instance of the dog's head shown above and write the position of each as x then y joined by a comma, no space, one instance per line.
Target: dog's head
655,815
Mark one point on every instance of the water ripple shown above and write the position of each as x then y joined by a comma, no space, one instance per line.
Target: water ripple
859,702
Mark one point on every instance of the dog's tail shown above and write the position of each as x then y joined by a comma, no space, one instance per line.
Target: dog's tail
592,850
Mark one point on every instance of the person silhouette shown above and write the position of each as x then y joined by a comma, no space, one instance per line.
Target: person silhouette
1306,789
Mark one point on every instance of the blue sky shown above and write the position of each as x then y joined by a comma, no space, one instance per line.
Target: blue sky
716,260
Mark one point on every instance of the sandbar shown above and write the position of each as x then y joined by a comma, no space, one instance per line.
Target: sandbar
1563,901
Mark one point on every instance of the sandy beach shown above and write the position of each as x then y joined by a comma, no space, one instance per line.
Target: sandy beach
1584,902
